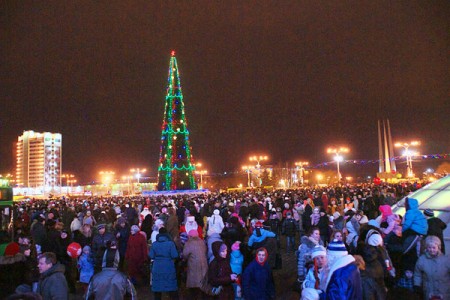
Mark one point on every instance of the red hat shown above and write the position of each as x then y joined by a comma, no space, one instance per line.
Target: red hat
258,224
12,249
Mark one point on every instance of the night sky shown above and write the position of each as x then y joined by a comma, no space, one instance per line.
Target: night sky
281,78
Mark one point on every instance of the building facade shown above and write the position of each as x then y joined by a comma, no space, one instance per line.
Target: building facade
39,162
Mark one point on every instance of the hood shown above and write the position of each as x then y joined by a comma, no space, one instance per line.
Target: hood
163,237
216,248
412,204
385,210
236,253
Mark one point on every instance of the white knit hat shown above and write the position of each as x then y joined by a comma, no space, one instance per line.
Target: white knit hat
318,250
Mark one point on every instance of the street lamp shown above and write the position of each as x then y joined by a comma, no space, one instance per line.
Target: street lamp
258,159
338,157
67,177
299,166
408,154
107,177
201,173
127,178
247,169
137,172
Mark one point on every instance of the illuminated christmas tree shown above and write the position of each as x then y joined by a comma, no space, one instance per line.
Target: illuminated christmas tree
176,170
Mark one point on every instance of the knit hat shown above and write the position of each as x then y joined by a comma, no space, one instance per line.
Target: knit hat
318,250
375,240
258,224
193,232
428,212
385,210
121,220
216,212
310,294
12,249
336,249
134,229
236,246
101,226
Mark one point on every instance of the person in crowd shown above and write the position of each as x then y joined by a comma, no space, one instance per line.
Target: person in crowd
156,227
236,263
147,225
136,255
86,267
164,276
436,227
89,219
39,233
219,272
306,217
215,223
375,263
343,279
259,236
62,242
110,283
122,234
432,271
353,227
289,229
191,224
99,245
257,279
52,282
317,273
304,260
197,266
414,227
315,216
233,232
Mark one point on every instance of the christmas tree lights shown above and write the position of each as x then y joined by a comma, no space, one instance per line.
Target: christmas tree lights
176,169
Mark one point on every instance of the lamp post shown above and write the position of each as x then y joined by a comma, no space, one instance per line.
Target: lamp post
299,166
258,159
137,172
201,173
128,178
247,169
408,154
338,157
107,177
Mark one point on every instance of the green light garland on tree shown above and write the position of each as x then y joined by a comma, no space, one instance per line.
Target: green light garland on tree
176,170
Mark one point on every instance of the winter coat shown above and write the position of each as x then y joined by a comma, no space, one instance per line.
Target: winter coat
304,255
433,275
195,253
86,267
136,254
163,252
13,271
375,264
53,284
219,273
254,238
414,219
39,234
236,261
110,284
123,238
290,227
436,227
215,224
257,282
211,239
343,281
99,243
147,225
353,232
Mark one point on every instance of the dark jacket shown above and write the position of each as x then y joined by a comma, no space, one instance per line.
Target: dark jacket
53,284
110,284
290,227
99,244
257,282
219,273
436,227
163,252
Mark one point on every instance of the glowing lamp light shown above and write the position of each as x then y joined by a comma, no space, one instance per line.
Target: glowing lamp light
338,158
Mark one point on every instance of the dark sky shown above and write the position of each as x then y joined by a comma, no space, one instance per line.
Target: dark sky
281,78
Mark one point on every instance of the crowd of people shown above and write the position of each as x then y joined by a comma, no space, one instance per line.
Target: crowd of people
347,241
